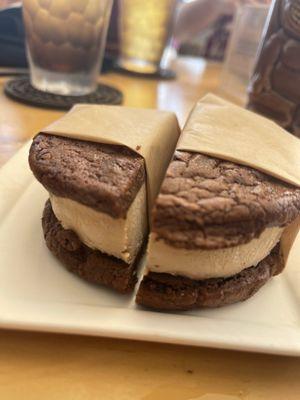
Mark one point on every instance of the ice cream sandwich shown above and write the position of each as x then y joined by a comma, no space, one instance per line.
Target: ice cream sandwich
218,226
96,218
215,234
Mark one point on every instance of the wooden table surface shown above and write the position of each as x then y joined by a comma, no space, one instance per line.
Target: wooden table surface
60,367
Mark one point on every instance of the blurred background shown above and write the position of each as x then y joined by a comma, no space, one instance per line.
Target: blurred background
202,28
218,31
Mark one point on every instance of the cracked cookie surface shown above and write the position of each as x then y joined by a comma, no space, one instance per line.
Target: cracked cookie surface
208,203
104,177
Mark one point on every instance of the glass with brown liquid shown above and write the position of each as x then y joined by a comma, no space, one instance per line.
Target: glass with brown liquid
65,43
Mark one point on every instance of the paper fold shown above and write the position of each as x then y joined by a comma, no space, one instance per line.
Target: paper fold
223,130
151,133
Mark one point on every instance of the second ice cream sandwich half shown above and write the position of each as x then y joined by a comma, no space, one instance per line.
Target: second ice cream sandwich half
218,226
96,219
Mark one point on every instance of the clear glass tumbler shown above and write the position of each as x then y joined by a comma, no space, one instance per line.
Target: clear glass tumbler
145,30
241,51
65,43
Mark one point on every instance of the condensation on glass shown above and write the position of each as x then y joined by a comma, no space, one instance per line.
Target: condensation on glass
65,43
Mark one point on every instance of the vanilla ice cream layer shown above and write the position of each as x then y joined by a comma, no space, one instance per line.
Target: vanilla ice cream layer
121,238
204,264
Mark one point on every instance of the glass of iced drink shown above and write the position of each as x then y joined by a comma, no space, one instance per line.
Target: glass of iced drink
65,43
145,30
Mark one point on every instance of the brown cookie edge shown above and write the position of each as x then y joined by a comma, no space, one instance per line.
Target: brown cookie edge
90,265
163,291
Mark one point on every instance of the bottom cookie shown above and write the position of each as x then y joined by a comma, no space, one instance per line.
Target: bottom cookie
168,292
91,265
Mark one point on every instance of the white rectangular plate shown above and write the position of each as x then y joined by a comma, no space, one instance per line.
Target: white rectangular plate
37,293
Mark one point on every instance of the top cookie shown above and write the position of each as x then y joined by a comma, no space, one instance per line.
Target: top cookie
209,203
104,177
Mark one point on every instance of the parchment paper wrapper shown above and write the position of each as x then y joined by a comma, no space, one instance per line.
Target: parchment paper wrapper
223,130
152,134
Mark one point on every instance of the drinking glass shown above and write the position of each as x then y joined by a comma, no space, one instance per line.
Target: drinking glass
241,52
145,30
65,42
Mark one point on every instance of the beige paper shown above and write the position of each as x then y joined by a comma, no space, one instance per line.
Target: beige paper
221,129
152,134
